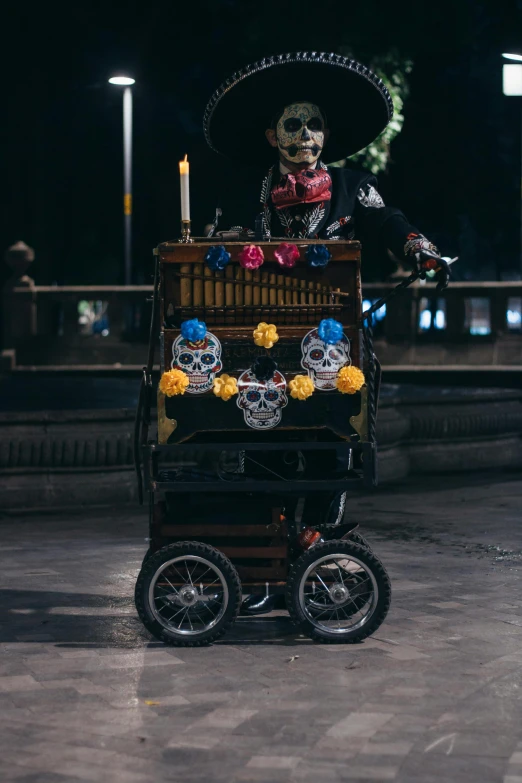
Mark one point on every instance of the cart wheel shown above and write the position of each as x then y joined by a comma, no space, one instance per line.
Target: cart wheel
356,538
338,591
188,594
147,556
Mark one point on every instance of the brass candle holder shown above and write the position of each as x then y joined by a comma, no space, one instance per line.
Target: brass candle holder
185,233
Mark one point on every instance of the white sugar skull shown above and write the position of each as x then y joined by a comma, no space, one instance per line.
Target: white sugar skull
262,402
300,134
200,361
323,361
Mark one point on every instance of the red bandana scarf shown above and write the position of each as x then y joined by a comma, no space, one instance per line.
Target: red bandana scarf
306,187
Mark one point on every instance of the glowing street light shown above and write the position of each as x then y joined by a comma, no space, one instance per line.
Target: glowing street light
512,86
123,81
126,82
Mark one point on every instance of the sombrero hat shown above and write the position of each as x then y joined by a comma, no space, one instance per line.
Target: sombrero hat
356,103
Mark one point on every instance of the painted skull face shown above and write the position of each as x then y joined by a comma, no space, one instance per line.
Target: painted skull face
323,361
200,361
262,402
300,133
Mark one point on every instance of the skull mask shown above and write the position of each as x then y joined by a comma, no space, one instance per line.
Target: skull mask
323,361
262,401
200,361
300,133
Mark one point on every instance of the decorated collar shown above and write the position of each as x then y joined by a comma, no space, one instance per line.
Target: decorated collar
304,187
299,223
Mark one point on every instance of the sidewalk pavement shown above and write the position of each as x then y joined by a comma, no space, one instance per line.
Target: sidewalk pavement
435,695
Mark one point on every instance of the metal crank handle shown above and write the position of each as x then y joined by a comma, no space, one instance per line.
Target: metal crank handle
432,268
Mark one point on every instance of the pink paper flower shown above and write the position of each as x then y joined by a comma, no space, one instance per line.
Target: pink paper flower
286,255
251,257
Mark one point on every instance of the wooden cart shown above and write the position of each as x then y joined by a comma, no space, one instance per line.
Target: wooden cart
229,497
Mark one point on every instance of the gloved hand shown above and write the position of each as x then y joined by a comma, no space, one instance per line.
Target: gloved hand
431,265
427,260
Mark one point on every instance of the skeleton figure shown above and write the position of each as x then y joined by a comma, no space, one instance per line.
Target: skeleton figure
323,361
262,402
200,361
300,133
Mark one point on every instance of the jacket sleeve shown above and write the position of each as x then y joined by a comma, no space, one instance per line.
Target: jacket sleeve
375,222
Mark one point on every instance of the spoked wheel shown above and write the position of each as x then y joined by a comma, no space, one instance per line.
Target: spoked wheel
338,591
188,594
331,534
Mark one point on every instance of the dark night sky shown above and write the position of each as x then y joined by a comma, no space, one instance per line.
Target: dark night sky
456,166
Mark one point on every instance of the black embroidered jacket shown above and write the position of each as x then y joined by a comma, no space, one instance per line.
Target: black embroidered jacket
355,211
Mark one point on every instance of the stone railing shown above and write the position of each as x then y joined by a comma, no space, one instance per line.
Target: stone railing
75,327
469,326
104,328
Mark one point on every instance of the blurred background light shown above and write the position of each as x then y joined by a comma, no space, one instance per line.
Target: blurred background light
124,81
512,79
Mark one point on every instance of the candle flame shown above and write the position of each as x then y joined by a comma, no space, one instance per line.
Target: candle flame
185,158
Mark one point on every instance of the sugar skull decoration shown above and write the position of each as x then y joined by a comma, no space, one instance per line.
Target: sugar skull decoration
262,401
300,133
198,353
323,360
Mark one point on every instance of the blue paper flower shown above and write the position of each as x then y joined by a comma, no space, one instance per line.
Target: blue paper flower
193,330
217,257
318,255
330,331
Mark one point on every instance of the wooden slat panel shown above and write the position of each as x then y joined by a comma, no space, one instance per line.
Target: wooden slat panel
275,552
249,573
236,531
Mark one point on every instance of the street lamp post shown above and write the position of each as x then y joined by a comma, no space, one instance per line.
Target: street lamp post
126,82
512,85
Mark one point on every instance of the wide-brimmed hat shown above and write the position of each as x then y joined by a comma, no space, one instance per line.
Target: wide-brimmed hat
356,103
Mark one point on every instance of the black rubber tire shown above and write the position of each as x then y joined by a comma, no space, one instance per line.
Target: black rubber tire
147,556
357,538
149,569
297,571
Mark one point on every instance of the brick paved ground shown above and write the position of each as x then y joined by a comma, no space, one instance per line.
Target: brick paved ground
436,695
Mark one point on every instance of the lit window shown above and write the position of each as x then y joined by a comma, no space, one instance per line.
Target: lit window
514,314
478,318
439,321
93,317
424,314
425,319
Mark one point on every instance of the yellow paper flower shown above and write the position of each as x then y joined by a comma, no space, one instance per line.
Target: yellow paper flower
173,382
225,386
349,380
266,335
301,387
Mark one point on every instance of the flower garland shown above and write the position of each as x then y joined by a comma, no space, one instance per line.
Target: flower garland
251,257
350,379
217,258
193,330
263,368
173,382
266,335
318,256
225,386
287,255
301,387
330,331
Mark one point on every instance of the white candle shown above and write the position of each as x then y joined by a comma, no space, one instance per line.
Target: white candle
185,193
